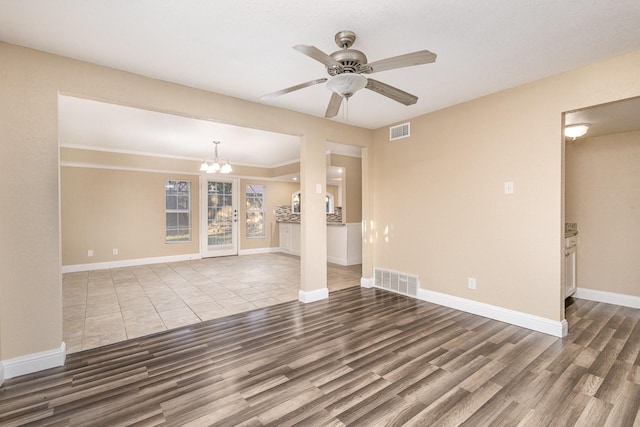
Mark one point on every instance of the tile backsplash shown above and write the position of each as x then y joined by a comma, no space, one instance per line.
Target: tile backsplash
284,214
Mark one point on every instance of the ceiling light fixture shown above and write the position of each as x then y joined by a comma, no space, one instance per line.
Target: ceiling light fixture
346,84
576,130
216,165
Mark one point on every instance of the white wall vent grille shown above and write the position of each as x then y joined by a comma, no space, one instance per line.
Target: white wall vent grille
401,283
399,131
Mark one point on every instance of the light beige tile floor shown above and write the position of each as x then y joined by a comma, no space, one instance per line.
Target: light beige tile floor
102,307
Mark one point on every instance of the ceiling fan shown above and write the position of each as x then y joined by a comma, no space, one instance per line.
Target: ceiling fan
346,68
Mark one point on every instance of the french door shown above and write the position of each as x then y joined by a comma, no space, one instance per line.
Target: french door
219,217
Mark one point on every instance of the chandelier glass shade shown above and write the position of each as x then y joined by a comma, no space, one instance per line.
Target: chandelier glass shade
346,84
216,165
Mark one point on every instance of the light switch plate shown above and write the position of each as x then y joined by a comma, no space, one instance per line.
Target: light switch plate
508,187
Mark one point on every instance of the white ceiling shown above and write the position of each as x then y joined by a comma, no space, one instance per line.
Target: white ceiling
244,49
90,124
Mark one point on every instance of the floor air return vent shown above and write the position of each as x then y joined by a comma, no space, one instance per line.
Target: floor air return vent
393,281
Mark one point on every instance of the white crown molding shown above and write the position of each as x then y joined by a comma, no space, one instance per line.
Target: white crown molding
66,164
166,156
608,297
312,296
31,363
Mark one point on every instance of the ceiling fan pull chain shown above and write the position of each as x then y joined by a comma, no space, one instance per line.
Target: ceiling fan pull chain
346,110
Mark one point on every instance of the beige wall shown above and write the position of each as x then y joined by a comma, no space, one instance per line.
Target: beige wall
30,81
277,193
435,207
603,197
351,186
102,209
439,208
334,190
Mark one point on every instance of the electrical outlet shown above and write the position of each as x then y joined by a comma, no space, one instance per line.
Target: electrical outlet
115,251
472,282
90,252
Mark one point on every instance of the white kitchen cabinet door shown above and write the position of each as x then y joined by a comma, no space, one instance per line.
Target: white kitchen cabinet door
570,268
285,236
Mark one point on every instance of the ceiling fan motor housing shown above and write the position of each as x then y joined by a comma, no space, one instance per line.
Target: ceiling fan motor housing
352,61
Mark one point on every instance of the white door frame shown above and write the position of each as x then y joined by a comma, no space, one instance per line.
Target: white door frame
207,251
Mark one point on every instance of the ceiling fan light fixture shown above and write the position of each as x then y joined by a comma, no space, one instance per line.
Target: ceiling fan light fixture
346,84
576,130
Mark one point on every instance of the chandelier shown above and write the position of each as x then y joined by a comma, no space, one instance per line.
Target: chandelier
216,165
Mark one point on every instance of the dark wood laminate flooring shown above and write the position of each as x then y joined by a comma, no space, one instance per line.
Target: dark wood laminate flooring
364,357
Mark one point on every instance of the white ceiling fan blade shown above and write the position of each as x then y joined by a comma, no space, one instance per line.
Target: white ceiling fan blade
318,55
293,88
391,92
334,106
406,60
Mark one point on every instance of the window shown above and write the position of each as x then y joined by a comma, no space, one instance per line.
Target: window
178,211
295,203
329,203
255,211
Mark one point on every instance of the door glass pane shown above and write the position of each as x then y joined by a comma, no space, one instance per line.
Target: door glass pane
220,214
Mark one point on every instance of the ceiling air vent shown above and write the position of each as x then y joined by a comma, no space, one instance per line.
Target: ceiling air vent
400,131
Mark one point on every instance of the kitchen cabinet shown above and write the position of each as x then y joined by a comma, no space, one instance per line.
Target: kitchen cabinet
284,234
289,235
570,256
344,242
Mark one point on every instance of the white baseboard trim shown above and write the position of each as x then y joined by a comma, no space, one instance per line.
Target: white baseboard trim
517,318
128,263
1,372
258,251
312,296
33,362
344,262
608,297
367,282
